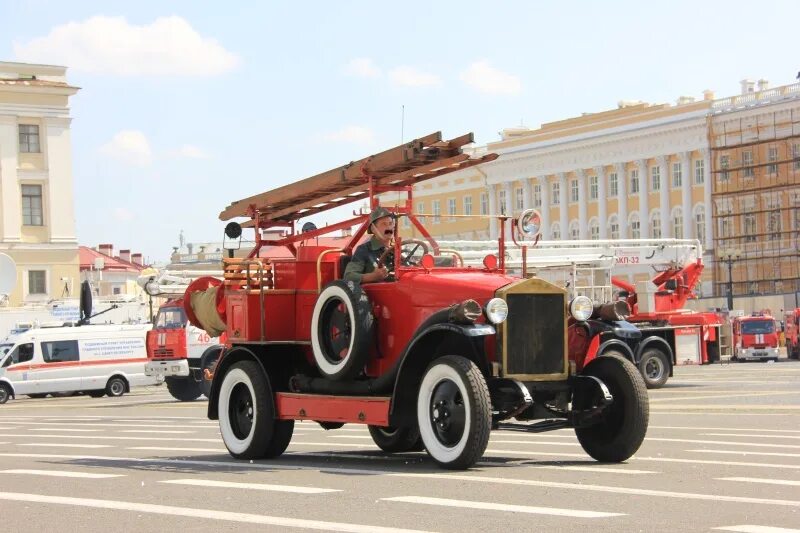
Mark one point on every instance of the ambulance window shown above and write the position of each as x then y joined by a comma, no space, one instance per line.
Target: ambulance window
60,351
22,353
171,318
5,348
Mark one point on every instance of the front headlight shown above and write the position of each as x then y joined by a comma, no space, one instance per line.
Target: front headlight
581,308
496,310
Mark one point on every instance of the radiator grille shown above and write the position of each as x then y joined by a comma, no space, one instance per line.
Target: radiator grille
534,331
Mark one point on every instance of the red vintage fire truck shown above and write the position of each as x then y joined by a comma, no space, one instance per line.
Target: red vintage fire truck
755,338
435,357
791,331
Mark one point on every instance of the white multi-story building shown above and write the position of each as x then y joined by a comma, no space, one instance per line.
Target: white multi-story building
37,214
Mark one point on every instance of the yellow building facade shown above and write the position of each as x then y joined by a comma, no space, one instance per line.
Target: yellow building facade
37,218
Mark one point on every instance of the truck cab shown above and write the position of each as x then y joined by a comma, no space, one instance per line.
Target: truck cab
755,338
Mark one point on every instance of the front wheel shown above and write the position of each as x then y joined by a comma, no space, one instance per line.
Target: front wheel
5,393
396,440
183,388
454,412
622,425
247,415
655,368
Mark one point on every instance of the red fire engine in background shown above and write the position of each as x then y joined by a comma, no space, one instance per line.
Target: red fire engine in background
755,338
791,332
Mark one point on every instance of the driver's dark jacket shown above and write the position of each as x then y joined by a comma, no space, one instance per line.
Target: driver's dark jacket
365,259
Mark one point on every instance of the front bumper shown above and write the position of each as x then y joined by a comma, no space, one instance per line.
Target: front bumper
757,354
162,369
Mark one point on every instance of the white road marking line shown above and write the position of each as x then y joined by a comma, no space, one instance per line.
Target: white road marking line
335,444
189,512
726,429
57,445
60,473
166,449
182,439
543,443
758,529
6,428
109,425
603,469
726,442
732,452
757,436
160,431
555,511
421,475
765,481
65,429
250,486
725,463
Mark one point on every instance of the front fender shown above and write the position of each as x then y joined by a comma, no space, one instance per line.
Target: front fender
427,345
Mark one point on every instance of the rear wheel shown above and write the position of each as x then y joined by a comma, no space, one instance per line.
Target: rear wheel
623,424
247,415
116,387
96,393
454,412
5,393
654,367
395,440
184,389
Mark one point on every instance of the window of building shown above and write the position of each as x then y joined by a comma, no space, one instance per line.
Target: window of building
724,164
699,172
655,223
437,211
796,156
772,155
451,206
655,178
774,225
116,290
537,195
420,210
747,163
634,181
519,195
749,227
677,223
29,139
613,227
555,231
700,224
468,205
60,351
32,205
635,225
677,177
37,282
725,227
594,229
502,197
613,185
556,193
573,191
574,230
484,203
406,222
593,188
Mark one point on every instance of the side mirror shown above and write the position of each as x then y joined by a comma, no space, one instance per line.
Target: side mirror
529,224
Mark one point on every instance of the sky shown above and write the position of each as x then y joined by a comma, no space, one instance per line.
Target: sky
186,106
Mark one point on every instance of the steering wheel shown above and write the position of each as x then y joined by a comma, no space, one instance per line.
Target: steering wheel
409,248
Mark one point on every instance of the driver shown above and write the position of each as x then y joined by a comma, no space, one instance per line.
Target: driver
364,267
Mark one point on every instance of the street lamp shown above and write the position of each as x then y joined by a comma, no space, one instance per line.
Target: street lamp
729,256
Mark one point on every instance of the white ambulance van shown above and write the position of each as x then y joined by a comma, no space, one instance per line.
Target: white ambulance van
96,359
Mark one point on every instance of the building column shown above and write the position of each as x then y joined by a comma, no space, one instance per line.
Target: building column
644,210
563,207
686,196
545,209
583,205
526,193
663,198
493,230
507,186
622,199
10,194
707,177
602,208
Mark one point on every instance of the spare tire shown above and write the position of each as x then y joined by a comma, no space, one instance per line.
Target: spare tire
341,330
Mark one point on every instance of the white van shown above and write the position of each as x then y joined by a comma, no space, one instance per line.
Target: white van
97,360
